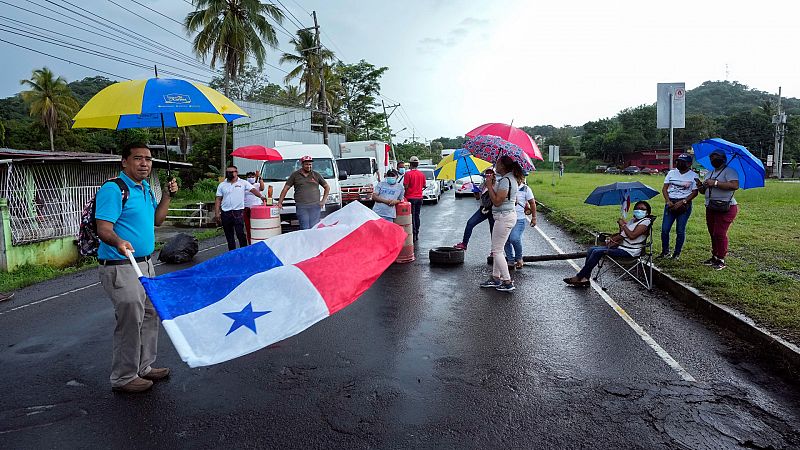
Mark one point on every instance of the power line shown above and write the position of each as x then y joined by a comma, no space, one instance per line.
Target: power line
100,33
150,21
93,52
296,20
88,42
65,60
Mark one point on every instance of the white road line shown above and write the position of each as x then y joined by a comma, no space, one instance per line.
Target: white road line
686,376
53,297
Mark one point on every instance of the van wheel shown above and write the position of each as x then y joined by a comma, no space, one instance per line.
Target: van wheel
446,256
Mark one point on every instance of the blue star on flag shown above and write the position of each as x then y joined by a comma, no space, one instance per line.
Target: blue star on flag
245,318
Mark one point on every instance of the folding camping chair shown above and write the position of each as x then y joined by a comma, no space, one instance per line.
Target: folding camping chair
640,268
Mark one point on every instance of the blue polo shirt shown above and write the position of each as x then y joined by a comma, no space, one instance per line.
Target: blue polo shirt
135,223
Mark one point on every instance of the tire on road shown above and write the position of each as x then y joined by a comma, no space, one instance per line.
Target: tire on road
446,256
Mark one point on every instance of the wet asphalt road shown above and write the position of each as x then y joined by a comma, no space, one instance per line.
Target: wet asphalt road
424,359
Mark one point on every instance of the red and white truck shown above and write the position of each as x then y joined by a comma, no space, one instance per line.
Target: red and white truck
366,163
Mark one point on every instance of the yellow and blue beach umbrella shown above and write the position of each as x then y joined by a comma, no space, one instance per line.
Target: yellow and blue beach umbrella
459,164
142,103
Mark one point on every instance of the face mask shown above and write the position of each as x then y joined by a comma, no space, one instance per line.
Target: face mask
391,180
717,163
402,170
639,213
251,180
229,175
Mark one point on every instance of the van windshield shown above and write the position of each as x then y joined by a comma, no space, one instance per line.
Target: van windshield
355,166
280,170
428,174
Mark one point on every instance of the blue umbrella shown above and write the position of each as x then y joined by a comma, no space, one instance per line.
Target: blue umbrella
620,192
750,169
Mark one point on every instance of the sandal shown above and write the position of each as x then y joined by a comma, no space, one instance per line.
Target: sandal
518,265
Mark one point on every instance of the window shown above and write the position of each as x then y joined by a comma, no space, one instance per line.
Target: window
428,174
280,170
354,166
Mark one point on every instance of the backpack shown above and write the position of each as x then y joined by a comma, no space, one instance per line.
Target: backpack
88,241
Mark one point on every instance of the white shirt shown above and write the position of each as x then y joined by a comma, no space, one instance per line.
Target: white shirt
250,199
680,184
634,246
524,195
233,194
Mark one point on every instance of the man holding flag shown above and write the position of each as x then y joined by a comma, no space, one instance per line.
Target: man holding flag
126,224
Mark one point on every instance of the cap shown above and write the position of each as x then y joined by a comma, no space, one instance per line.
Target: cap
685,157
306,158
719,152
414,159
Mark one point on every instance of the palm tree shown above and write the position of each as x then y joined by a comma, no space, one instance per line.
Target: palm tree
230,32
49,99
308,61
290,95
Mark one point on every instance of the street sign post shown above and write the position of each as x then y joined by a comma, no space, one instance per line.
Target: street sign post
553,156
671,111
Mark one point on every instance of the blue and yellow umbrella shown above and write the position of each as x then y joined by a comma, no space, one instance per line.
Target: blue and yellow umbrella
459,164
143,103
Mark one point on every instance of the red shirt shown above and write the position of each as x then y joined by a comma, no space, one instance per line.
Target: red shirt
414,183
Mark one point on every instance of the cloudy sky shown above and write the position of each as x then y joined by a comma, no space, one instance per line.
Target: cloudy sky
455,64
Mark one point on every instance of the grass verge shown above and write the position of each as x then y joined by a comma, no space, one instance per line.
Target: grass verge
32,274
763,275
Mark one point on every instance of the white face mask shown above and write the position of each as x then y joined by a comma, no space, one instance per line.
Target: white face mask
251,180
639,214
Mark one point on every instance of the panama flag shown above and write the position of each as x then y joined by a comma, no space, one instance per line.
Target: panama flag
249,298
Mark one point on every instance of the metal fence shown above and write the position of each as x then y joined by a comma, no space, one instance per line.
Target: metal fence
45,200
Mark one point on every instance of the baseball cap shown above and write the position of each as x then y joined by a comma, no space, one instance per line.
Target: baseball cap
685,157
719,152
306,158
413,159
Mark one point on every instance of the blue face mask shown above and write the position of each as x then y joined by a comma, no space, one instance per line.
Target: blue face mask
391,180
402,170
639,213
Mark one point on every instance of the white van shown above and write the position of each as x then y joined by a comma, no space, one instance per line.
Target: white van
275,174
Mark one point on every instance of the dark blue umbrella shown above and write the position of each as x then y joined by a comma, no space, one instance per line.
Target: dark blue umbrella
750,169
620,193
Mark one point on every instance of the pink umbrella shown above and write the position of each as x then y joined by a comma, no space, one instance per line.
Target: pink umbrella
511,134
258,152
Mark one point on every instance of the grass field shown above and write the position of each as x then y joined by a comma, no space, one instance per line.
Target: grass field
763,275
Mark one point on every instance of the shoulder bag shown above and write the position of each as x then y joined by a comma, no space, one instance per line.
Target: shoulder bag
720,206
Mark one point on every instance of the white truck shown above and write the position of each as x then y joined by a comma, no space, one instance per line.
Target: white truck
275,174
365,163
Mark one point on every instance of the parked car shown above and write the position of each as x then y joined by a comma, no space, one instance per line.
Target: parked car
631,170
464,185
649,171
613,170
433,187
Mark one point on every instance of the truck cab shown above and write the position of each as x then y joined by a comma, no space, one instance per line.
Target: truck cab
365,162
275,174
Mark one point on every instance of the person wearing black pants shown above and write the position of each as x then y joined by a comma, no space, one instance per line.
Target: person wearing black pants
416,208
233,224
414,183
230,199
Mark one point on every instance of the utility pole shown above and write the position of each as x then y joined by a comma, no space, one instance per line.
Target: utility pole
322,99
779,120
386,117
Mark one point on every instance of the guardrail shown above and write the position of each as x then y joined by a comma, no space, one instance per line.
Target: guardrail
198,214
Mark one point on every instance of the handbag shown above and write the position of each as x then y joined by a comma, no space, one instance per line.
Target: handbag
678,210
486,201
720,206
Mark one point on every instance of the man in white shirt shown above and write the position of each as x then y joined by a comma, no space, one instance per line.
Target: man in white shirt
680,188
230,198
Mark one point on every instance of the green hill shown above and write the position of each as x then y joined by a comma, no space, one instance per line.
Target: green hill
724,98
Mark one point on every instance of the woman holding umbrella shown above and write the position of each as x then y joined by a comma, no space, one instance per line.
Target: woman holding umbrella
721,208
501,188
628,243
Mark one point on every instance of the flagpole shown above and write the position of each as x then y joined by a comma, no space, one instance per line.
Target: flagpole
164,135
135,265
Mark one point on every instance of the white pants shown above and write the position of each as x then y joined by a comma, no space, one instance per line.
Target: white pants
503,223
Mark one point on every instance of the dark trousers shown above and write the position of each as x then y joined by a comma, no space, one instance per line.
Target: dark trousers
233,221
718,224
594,255
416,207
680,221
473,221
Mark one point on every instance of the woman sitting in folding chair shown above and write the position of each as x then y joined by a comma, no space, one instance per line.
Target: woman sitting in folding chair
627,243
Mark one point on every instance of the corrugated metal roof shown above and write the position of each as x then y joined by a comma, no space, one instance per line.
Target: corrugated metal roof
43,156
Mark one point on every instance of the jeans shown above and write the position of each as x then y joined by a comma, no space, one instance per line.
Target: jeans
503,223
308,215
718,224
680,228
513,246
233,222
416,207
473,221
593,257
